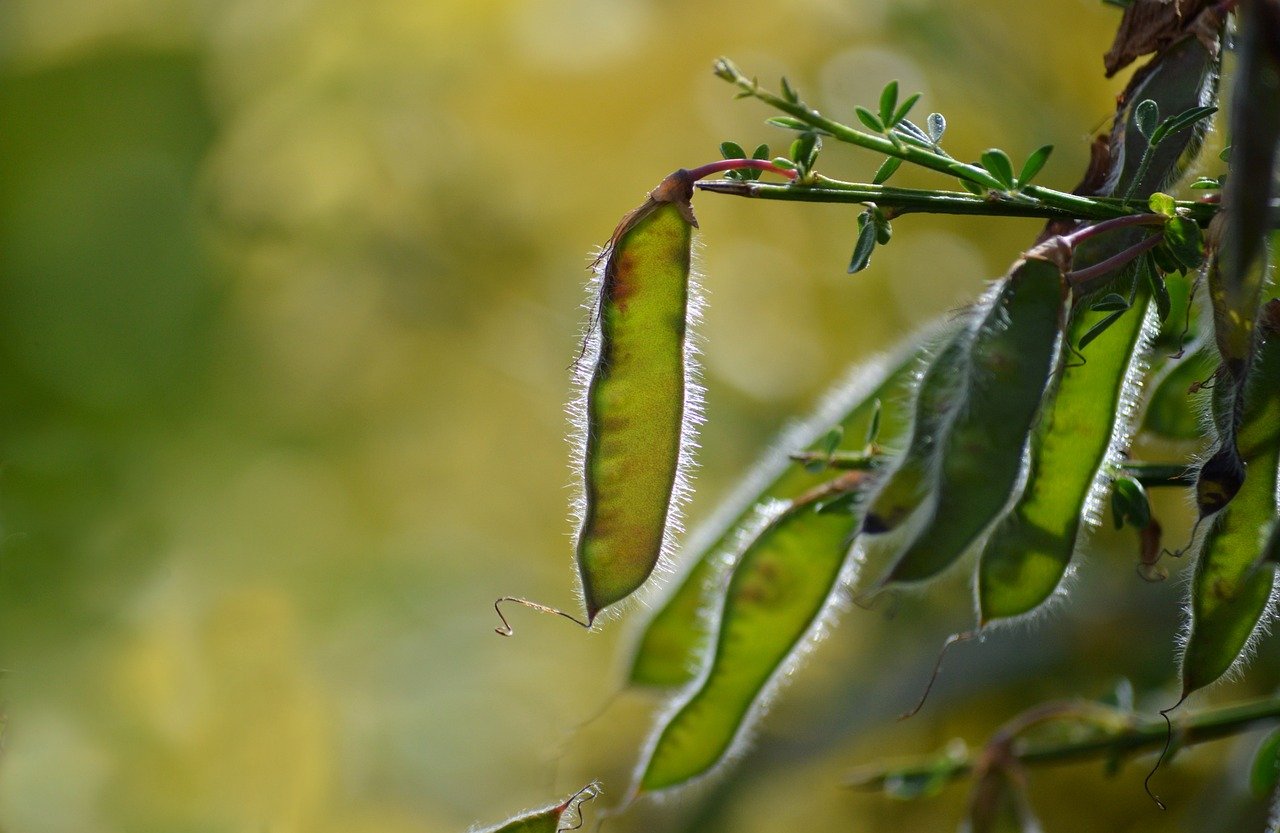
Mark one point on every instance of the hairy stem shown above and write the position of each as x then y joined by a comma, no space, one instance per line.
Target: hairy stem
928,201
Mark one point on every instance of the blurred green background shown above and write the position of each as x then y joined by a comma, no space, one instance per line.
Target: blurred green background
287,295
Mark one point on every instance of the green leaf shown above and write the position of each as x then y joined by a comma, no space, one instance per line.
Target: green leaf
832,440
804,151
1033,165
672,640
784,163
1264,774
863,248
1181,122
886,170
788,92
732,150
1110,303
870,119
1162,204
911,130
788,123
873,430
888,102
1147,117
762,152
1129,503
1098,329
997,163
1185,242
901,113
937,125
1159,289
1206,183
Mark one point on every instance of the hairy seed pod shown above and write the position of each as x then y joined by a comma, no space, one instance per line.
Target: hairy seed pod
548,819
638,414
672,642
1173,409
1028,552
1233,585
1012,358
781,593
909,479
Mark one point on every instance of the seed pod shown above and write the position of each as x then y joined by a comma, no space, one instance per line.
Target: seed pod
548,819
982,455
640,405
910,477
1173,410
672,642
780,596
1183,76
1233,583
1028,552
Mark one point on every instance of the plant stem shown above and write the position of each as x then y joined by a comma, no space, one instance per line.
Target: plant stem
902,200
1129,734
1105,226
1106,267
1159,474
840,460
903,148
710,168
929,201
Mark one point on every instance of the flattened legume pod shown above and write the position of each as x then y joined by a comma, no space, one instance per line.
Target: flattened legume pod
1028,552
548,819
1233,584
641,404
909,479
673,639
1012,358
781,594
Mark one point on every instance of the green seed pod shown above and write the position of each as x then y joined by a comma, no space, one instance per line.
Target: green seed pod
1012,359
641,405
1029,551
1183,76
672,642
780,597
1233,586
910,477
548,819
1173,410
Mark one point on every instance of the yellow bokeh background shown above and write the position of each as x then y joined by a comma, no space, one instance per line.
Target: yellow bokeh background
287,295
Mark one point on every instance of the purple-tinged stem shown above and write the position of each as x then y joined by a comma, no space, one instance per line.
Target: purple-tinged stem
1114,262
1105,226
710,168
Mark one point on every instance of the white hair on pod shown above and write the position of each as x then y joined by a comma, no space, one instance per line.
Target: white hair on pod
858,382
1128,407
570,806
818,629
693,416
